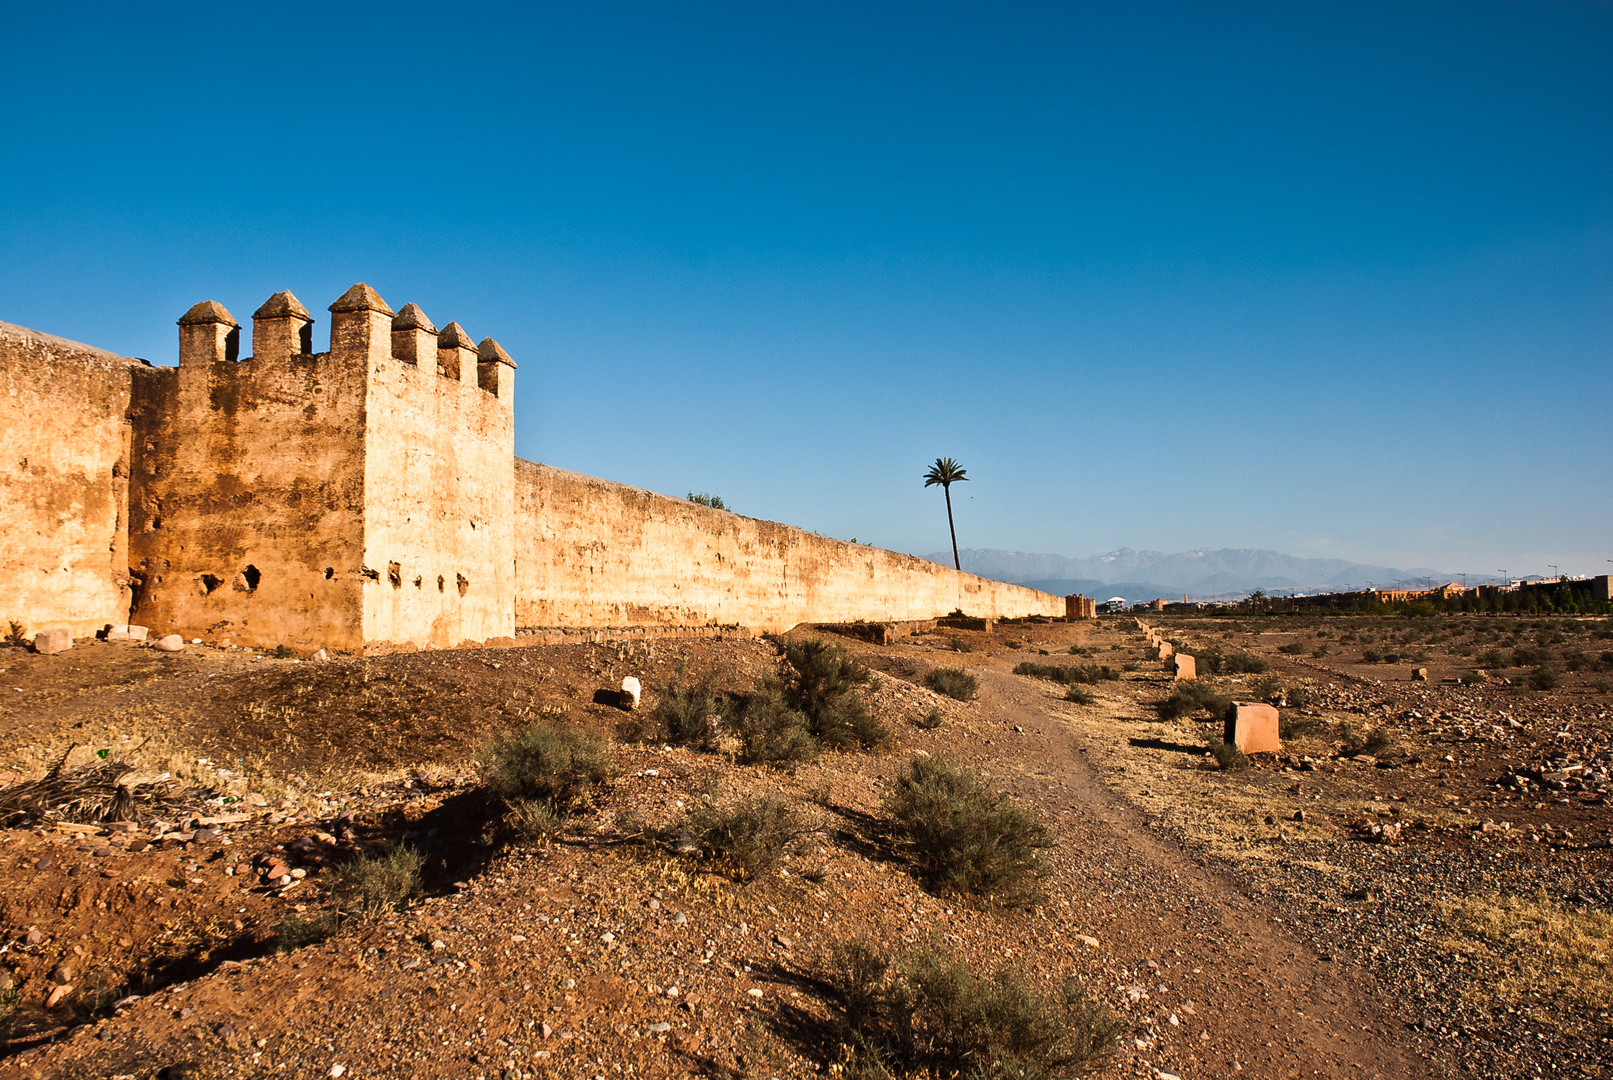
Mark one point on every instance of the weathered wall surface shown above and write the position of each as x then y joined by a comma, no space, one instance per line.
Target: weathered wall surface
248,518
439,483
591,552
63,482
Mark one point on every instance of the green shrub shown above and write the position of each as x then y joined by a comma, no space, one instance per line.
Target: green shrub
1375,741
1493,659
1371,656
1190,698
687,712
953,682
15,635
1533,657
1576,660
1013,644
373,885
1080,695
704,499
547,762
959,645
1242,663
1294,648
297,932
770,732
747,837
1228,756
965,836
932,719
1074,673
1320,651
283,652
825,689
1209,661
929,1014
1293,724
1391,658
1268,689
1473,678
1542,678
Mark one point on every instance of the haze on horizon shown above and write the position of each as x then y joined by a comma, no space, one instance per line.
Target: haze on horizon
1332,280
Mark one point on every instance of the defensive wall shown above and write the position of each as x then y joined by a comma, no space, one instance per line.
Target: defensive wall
369,494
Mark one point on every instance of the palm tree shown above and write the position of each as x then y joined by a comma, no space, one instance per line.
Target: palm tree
945,472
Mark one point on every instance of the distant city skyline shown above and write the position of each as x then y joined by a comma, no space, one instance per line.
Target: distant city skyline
1330,280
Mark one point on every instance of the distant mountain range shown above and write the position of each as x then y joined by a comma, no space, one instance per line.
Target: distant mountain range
1203,575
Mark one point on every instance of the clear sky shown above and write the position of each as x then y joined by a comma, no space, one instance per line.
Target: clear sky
1334,279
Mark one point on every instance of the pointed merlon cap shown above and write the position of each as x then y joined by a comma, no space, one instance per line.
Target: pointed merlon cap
360,298
282,305
412,318
490,351
453,336
206,313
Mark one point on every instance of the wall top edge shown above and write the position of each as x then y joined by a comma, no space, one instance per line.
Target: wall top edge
522,463
22,333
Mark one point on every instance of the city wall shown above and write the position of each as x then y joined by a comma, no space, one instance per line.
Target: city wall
371,494
591,552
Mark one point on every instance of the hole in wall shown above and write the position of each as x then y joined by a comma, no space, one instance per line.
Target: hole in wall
373,575
394,574
330,572
464,584
305,338
232,345
417,581
440,582
209,583
473,526
249,578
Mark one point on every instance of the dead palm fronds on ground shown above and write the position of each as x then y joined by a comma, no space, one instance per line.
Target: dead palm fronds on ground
104,789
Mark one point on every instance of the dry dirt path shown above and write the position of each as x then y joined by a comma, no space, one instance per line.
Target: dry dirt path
1271,1006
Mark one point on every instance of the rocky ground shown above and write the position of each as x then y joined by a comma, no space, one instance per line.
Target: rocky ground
1418,886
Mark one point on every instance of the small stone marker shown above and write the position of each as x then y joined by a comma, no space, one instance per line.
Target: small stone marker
1252,728
50,642
631,689
1165,650
170,643
126,633
319,654
1419,674
1186,666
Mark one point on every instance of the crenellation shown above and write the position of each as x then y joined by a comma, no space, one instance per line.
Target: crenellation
282,328
495,371
361,326
456,353
414,339
207,334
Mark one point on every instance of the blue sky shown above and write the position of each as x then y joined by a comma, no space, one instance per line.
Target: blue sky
1335,279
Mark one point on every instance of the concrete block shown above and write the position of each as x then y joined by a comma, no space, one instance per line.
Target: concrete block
631,690
1186,666
126,633
1419,674
1252,727
49,642
170,643
1165,650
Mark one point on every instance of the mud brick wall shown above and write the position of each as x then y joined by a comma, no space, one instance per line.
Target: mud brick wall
64,467
590,552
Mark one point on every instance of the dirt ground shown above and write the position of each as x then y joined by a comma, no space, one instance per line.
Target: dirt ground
1438,906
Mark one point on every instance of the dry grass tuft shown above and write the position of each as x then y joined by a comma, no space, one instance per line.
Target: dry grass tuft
1542,950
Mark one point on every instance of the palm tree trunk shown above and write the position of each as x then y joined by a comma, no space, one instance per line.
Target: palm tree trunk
956,564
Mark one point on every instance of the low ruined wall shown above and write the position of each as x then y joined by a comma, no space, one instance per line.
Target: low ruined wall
63,482
590,552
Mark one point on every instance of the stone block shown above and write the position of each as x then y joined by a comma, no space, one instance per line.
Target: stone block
1419,674
1186,666
170,643
1252,727
1165,650
126,633
49,642
631,690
